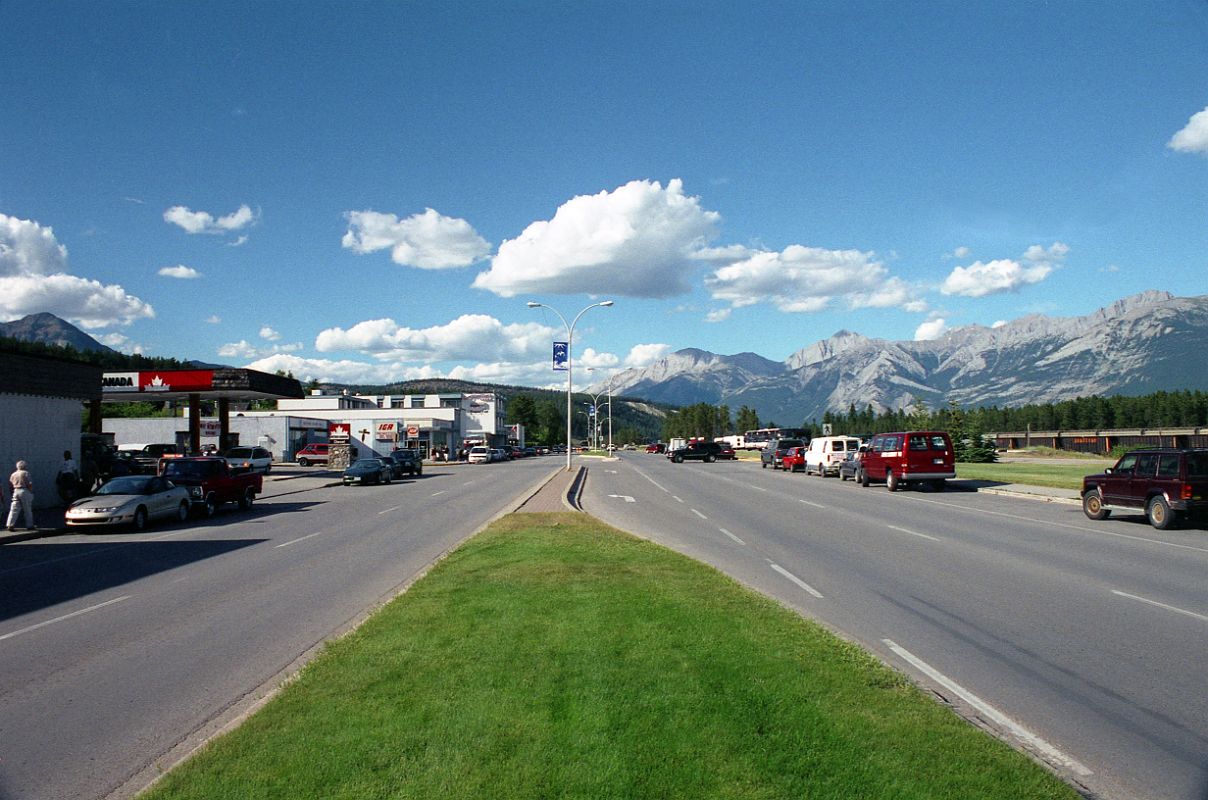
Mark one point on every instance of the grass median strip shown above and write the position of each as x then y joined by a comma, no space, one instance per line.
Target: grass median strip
552,656
1058,476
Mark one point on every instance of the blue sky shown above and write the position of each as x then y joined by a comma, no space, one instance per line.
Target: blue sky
366,192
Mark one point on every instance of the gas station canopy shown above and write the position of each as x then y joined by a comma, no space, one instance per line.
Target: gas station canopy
218,383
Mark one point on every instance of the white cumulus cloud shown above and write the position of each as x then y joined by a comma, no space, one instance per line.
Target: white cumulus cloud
214,319
204,222
268,333
429,240
931,329
643,355
1193,138
180,271
33,279
636,241
807,279
470,337
1005,275
718,315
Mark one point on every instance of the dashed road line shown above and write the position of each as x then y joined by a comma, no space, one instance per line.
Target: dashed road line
912,533
732,536
1175,609
65,617
387,511
797,581
697,513
676,499
810,503
438,494
990,712
301,539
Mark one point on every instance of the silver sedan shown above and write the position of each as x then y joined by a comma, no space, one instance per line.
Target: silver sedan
132,500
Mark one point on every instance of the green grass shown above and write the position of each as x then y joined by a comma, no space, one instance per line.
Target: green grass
553,657
1038,473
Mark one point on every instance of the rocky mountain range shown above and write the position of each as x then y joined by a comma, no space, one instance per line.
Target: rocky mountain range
49,329
1141,344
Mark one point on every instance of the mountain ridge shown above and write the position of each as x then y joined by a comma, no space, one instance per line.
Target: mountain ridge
1146,342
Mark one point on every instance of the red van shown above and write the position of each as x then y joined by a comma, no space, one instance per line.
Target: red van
909,457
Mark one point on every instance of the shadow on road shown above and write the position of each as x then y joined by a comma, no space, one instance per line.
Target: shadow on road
42,575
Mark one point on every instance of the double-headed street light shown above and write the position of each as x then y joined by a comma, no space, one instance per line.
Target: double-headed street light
570,343
610,377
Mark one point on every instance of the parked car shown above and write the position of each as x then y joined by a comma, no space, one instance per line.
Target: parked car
314,453
725,452
696,451
908,457
775,450
409,460
849,468
366,471
825,453
497,454
793,460
657,447
480,455
133,500
145,459
1167,484
210,482
249,459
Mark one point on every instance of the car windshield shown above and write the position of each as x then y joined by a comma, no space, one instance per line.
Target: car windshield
368,463
131,484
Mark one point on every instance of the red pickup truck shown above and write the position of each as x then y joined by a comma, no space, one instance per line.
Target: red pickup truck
211,482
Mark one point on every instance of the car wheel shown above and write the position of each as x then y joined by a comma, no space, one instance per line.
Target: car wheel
842,476
182,513
709,459
677,459
249,497
139,523
1159,513
862,478
387,479
1092,505
268,468
302,462
419,471
891,481
210,507
763,464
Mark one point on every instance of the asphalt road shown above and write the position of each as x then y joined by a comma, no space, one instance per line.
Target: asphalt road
1082,642
119,653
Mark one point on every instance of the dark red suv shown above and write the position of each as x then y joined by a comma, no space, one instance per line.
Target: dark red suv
1167,484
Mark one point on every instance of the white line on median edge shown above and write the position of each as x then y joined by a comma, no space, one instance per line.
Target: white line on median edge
732,536
810,503
1161,605
697,513
64,617
797,581
387,511
990,712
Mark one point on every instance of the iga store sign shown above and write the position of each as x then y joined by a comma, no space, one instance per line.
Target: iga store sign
181,380
385,431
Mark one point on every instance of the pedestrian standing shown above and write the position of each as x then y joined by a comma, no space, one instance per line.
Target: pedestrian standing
23,497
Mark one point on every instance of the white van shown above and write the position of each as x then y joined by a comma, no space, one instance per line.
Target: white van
825,453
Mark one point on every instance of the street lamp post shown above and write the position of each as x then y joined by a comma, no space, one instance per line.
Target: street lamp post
570,343
597,397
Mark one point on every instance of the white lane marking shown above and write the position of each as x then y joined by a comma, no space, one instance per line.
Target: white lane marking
624,497
676,499
759,488
301,539
438,494
65,617
468,483
810,503
1161,605
797,581
652,480
1079,528
697,513
989,711
912,533
732,536
387,511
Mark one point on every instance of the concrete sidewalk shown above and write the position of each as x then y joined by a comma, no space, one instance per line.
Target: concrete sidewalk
560,493
1023,491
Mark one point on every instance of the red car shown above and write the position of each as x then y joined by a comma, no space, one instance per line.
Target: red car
794,460
658,447
726,453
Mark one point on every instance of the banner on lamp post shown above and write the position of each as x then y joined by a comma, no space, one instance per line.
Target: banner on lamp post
561,354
